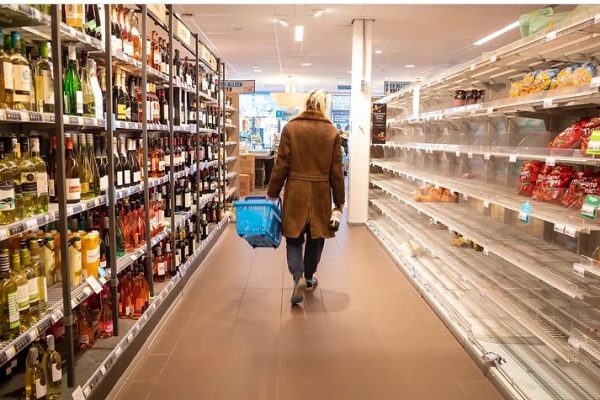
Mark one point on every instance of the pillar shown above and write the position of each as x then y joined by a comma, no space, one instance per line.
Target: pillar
360,115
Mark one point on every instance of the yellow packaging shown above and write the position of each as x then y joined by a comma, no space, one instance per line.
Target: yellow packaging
75,259
90,253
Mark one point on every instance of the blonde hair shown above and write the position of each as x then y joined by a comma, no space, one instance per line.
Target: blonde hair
318,100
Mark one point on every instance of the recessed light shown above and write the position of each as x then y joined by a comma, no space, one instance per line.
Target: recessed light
410,65
306,64
349,72
318,13
283,23
257,70
299,33
497,33
378,51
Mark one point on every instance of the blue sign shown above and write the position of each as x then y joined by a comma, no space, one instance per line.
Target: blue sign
344,87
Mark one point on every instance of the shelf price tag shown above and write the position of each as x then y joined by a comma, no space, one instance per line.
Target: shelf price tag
559,228
512,158
551,161
570,231
31,224
550,36
487,156
94,284
579,269
590,206
486,204
595,82
10,352
493,58
574,343
548,103
78,394
525,211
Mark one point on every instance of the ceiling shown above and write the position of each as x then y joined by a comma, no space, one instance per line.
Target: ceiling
432,37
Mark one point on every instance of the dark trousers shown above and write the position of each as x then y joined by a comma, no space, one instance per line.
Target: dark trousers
308,263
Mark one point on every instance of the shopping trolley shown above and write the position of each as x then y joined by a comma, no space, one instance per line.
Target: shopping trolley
258,220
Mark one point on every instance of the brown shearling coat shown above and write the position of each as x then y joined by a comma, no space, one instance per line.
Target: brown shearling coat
309,163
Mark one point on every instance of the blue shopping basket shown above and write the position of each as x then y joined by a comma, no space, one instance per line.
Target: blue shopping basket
258,220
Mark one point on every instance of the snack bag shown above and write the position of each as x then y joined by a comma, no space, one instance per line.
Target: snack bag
587,126
515,89
554,184
527,82
583,183
569,138
543,80
528,176
562,79
582,75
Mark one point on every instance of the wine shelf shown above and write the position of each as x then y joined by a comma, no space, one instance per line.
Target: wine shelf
231,175
231,193
547,262
230,159
568,221
117,346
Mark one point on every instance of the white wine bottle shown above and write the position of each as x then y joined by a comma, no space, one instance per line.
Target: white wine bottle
51,364
35,380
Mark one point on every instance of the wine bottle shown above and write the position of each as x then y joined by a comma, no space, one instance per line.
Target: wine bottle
89,101
125,164
51,364
117,165
7,190
41,177
93,163
35,379
72,173
28,181
73,94
44,80
21,73
10,307
74,16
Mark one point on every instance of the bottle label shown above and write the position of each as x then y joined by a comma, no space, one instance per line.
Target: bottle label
177,259
89,106
42,183
161,268
104,183
7,68
188,200
74,15
28,183
178,201
40,388
47,85
161,166
93,255
85,187
32,288
84,339
13,311
157,58
108,327
127,176
137,176
57,371
22,79
23,297
42,286
121,112
79,102
168,160
128,48
90,25
7,195
161,217
119,178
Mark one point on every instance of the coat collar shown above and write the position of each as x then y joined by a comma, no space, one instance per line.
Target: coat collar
311,115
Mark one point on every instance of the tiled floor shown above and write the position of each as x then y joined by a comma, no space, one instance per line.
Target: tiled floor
364,334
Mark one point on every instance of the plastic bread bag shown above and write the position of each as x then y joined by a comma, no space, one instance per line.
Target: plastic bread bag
527,82
582,75
540,22
515,89
563,77
525,19
543,80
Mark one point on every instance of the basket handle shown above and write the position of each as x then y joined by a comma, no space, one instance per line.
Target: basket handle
263,198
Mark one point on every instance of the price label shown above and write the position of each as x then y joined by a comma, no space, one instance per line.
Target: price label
118,351
559,228
523,216
574,343
87,290
551,161
570,231
88,121
579,269
35,116
487,156
512,158
78,394
493,58
94,284
550,36
56,316
597,19
470,155
486,203
472,67
595,82
49,118
486,252
13,115
33,334
74,303
31,224
549,102
74,120
457,154
4,234
10,352
129,337
102,370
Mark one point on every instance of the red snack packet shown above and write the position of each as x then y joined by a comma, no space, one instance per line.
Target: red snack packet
569,138
582,184
528,176
554,184
588,125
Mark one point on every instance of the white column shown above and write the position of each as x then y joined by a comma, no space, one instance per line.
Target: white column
360,114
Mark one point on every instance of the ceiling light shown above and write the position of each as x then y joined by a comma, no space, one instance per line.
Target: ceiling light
257,70
306,64
283,23
410,65
299,33
378,51
497,33
318,13
349,72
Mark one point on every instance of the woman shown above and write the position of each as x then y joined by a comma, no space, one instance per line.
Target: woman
309,163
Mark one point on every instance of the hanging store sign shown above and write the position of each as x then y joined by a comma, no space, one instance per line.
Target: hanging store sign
378,123
240,86
390,87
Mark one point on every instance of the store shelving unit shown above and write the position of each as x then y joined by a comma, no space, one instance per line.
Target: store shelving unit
232,140
92,376
529,291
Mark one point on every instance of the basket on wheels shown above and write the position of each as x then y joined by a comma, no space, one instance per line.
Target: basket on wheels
258,221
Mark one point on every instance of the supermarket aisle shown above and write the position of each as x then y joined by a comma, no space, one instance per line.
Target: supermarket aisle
365,334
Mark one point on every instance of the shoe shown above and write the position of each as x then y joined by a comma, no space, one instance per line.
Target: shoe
311,284
298,293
